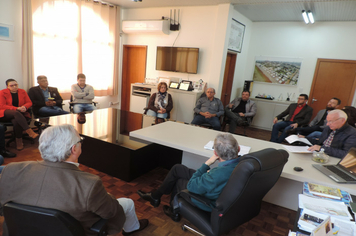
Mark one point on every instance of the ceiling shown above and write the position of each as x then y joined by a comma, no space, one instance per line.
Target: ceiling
264,10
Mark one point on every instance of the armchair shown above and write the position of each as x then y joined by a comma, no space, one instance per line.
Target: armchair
24,220
240,200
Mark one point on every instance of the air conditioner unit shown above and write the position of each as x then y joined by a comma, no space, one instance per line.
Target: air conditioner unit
146,26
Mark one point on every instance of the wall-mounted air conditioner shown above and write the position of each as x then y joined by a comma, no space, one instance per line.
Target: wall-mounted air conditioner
146,26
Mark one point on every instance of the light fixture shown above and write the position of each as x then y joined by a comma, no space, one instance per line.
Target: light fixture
136,0
310,16
305,17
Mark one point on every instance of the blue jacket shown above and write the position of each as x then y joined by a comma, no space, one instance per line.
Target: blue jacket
210,184
344,139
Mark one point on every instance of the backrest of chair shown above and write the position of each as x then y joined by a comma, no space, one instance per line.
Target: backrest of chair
250,181
27,220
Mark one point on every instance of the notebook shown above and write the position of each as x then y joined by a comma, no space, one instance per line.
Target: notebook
343,172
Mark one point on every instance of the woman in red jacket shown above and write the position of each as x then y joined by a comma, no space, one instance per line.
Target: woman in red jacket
14,103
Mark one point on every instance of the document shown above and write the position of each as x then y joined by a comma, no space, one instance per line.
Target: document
243,149
297,149
294,138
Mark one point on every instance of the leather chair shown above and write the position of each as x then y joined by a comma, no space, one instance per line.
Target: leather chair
24,220
240,200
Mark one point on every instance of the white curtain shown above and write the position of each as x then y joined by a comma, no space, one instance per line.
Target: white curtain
74,36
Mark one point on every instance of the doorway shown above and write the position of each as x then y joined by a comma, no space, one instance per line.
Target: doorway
228,78
133,71
332,78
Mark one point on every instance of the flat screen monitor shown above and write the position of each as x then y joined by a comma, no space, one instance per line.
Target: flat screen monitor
177,59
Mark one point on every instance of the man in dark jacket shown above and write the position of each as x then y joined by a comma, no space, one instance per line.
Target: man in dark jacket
299,114
338,138
46,100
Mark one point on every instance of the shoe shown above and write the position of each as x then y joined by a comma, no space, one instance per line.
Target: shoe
31,133
6,153
19,144
148,197
168,211
143,225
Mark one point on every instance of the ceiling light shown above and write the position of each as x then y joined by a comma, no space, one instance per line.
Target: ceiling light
310,16
305,17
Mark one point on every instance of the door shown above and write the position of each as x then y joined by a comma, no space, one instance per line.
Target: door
133,71
228,78
332,78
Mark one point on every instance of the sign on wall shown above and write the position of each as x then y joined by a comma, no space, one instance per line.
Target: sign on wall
236,38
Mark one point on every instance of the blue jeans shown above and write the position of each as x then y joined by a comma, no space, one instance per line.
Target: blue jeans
51,111
159,115
283,125
213,121
1,162
80,107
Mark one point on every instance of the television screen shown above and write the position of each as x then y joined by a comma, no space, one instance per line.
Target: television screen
177,59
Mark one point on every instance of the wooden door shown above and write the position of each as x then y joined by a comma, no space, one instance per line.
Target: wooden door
332,78
133,71
228,78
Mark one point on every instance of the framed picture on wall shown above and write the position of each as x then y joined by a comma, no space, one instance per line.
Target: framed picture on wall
6,32
237,34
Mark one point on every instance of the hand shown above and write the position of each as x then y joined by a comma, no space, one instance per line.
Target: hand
301,136
208,115
241,114
230,105
275,120
54,103
159,111
295,125
163,110
49,103
314,148
21,109
212,160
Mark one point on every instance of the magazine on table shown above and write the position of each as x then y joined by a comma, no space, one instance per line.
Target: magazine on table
295,138
345,196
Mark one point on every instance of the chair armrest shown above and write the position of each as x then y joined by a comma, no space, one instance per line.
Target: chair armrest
100,227
199,198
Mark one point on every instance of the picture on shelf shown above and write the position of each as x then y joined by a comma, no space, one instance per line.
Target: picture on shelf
277,70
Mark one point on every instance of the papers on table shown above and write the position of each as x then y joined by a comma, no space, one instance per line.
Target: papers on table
294,138
297,149
243,149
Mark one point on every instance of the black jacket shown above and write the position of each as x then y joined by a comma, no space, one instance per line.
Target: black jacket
38,100
302,118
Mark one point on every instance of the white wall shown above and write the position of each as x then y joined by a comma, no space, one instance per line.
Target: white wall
10,51
203,27
333,40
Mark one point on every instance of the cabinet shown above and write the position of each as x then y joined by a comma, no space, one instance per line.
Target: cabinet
266,111
183,102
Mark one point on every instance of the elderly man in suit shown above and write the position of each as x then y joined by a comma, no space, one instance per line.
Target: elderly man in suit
58,183
46,101
299,114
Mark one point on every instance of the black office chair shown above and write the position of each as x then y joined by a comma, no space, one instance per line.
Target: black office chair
226,121
24,220
240,200
71,103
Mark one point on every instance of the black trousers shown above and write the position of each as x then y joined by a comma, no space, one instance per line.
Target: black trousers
18,120
176,180
308,130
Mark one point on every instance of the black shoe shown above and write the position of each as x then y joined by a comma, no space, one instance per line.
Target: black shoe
148,197
143,225
168,211
6,153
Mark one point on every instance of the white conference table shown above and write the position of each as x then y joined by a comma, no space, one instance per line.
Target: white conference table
191,140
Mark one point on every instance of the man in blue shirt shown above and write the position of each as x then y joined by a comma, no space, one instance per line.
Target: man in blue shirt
208,110
205,181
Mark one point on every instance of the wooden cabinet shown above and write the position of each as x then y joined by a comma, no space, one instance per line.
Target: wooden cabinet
266,111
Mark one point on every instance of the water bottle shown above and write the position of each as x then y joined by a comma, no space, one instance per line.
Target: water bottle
320,157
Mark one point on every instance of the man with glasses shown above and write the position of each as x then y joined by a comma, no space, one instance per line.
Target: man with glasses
338,137
58,183
299,114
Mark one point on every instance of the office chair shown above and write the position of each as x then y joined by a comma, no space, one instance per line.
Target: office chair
24,220
226,121
71,104
241,198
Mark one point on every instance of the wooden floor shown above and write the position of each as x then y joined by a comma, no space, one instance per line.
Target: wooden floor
272,220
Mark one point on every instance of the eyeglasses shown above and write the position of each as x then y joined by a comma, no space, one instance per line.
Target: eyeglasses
13,85
80,141
332,121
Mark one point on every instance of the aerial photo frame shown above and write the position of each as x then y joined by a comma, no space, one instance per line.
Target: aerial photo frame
277,70
237,34
6,32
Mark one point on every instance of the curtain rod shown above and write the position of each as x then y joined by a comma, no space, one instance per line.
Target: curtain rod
102,3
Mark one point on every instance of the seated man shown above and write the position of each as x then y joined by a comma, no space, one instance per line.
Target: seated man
317,125
58,183
338,137
3,151
206,182
83,95
239,109
299,114
46,101
208,110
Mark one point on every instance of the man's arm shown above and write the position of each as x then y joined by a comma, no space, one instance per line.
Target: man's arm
90,95
198,106
221,110
36,98
57,96
307,117
347,143
252,111
75,93
284,113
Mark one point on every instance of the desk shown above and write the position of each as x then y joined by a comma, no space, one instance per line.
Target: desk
191,140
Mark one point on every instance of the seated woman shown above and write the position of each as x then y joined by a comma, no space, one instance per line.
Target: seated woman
14,103
160,103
